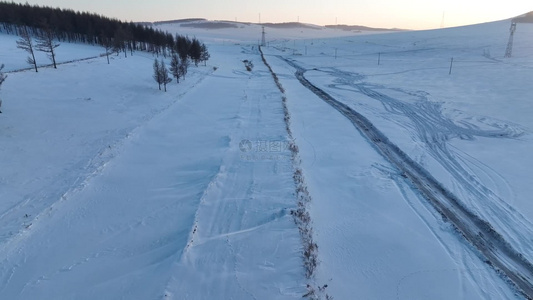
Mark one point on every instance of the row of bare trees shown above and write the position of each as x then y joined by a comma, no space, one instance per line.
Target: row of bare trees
81,27
161,75
41,28
178,69
44,42
184,52
66,25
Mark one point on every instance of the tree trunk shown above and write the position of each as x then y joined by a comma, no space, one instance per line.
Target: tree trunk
34,62
54,59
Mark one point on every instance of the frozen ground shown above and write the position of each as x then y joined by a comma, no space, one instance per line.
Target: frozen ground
113,189
434,116
15,59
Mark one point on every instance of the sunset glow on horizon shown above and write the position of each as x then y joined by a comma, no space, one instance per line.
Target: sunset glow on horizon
415,14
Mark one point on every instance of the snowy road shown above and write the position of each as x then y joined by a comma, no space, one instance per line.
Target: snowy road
121,191
244,244
477,231
479,187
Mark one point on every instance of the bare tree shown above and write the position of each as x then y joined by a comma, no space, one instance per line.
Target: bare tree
119,41
157,73
204,56
122,41
2,79
195,51
161,75
184,67
175,67
165,77
46,44
26,43
2,75
108,46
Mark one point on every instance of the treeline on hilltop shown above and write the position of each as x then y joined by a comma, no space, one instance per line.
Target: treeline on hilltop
70,26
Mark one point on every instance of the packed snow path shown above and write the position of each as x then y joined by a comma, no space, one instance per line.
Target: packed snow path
477,231
194,205
479,187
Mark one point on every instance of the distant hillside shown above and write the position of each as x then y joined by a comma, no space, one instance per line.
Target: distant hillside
179,21
201,23
361,28
291,25
208,24
525,18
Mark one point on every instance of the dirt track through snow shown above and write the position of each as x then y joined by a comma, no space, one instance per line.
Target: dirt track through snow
498,252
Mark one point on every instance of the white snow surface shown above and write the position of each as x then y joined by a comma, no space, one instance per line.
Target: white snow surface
112,189
15,59
116,190
470,130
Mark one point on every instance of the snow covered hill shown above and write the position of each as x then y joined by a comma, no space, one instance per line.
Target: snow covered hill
469,129
112,189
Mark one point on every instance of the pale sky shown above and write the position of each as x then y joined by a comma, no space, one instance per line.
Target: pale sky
411,14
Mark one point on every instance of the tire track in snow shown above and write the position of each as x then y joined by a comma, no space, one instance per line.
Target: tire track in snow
194,229
243,235
498,252
427,124
301,215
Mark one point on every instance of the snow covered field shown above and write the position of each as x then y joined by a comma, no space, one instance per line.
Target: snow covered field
115,190
15,59
147,193
469,129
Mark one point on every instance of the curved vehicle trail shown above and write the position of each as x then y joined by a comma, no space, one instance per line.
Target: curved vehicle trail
496,249
428,125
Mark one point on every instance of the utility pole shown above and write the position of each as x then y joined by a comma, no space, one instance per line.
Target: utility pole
509,51
451,65
263,39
